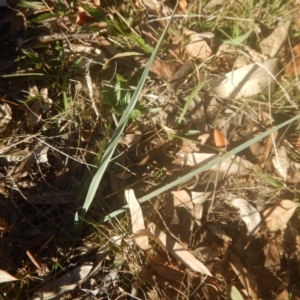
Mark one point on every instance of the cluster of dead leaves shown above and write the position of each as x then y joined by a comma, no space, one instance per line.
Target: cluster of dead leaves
247,73
275,219
246,80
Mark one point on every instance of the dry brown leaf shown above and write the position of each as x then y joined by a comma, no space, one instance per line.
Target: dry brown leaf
164,69
83,17
6,277
22,168
284,295
229,58
41,152
67,282
197,113
220,139
203,138
250,216
197,47
188,146
207,253
265,146
180,75
248,81
273,252
293,67
245,277
160,149
152,295
131,136
182,5
212,109
182,198
198,213
178,251
277,217
173,247
137,218
160,263
271,45
34,113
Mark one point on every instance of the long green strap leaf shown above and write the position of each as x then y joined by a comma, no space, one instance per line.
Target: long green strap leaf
210,163
112,146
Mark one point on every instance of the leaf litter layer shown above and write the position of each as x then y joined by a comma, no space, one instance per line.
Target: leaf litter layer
208,141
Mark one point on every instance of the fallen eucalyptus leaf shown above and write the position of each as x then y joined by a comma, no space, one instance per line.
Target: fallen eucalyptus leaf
65,283
178,251
6,277
256,78
137,219
250,216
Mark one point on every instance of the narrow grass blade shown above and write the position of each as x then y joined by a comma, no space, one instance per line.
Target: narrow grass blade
202,167
112,146
31,4
21,75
